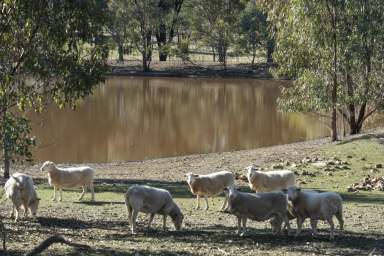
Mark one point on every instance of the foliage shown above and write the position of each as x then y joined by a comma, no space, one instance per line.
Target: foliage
50,50
334,51
253,30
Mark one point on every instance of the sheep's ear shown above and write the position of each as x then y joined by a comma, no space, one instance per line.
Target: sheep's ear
284,190
299,189
226,189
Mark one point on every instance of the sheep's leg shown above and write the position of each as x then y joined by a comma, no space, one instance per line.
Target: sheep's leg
60,194
206,203
244,221
314,227
238,225
151,216
129,209
17,212
339,217
25,206
287,225
225,203
197,202
133,221
54,193
13,211
330,221
299,225
83,193
164,222
92,191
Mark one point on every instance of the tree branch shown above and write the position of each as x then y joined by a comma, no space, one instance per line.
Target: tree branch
52,240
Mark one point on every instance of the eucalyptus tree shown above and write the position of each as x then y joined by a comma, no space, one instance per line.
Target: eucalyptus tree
216,23
143,15
253,30
166,25
49,51
333,50
118,25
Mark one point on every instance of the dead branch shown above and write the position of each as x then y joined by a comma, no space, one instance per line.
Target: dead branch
4,235
52,240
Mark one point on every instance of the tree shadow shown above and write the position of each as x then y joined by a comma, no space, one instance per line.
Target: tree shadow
77,224
368,136
178,189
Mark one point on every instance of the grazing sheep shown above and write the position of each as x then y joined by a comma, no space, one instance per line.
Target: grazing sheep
276,222
316,206
259,206
260,181
153,201
210,185
20,190
72,177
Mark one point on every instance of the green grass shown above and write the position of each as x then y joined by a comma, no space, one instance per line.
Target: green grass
103,224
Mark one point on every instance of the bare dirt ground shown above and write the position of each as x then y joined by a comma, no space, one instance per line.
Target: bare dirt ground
103,224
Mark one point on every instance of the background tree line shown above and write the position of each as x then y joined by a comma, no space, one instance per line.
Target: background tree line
57,51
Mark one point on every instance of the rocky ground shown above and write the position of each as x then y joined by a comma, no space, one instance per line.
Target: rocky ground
103,225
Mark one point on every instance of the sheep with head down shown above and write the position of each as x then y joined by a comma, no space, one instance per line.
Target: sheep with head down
210,185
20,189
141,198
72,177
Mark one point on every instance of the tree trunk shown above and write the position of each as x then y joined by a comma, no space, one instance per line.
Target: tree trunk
120,50
161,38
270,50
6,158
213,54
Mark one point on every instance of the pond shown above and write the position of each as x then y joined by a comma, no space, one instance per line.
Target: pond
136,118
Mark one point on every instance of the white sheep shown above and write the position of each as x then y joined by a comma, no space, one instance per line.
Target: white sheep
20,189
72,177
210,185
316,206
140,198
259,206
260,181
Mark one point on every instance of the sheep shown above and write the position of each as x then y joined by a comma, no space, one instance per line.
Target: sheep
20,189
276,222
258,206
260,181
210,185
72,177
141,198
316,206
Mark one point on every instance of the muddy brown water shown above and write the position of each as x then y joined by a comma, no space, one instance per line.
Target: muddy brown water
136,118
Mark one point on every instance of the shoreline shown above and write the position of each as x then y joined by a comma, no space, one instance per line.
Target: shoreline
174,168
259,71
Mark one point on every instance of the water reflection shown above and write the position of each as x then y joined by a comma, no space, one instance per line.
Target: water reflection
138,118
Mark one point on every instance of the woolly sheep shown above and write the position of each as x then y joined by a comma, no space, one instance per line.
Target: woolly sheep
260,181
210,185
72,177
140,198
316,206
20,189
259,206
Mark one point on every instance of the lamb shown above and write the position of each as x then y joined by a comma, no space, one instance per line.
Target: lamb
210,185
72,177
260,181
20,189
316,206
140,198
258,206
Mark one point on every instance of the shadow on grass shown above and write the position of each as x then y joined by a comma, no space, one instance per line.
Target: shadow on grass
177,189
378,136
72,223
371,198
98,203
111,252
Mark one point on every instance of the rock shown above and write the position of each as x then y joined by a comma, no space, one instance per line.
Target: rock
278,166
330,162
349,156
379,165
329,174
345,167
319,164
363,159
369,183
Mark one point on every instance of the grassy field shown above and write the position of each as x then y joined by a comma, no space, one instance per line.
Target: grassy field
103,224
